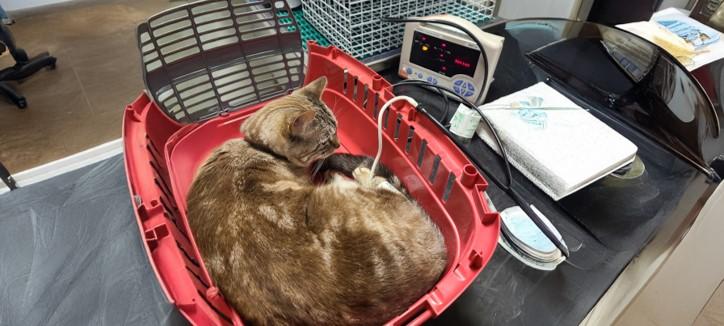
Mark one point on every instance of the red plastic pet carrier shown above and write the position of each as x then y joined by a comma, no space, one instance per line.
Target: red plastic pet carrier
208,66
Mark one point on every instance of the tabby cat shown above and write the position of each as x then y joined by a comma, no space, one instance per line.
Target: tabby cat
285,250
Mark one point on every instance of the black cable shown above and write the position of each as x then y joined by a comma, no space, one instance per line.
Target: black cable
459,27
446,111
503,153
508,186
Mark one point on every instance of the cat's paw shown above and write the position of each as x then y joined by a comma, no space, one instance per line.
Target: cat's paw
364,177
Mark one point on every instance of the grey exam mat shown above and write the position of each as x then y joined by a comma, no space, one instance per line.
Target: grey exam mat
71,254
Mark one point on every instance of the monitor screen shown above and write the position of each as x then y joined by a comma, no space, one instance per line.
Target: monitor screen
445,58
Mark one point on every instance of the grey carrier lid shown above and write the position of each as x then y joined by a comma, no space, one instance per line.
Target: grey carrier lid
209,57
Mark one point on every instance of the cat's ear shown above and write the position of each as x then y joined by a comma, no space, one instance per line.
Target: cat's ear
301,123
313,90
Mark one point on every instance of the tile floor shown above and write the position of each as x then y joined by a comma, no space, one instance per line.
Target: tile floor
80,104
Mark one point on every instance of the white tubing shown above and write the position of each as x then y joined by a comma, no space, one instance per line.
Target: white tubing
379,127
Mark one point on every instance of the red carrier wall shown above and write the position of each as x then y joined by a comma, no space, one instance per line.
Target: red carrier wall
162,156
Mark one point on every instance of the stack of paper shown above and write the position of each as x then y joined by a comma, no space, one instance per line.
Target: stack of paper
555,143
699,46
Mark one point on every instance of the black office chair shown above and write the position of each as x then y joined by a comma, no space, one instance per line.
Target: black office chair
6,178
23,68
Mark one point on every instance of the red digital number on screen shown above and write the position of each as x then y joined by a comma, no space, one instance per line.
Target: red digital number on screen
460,62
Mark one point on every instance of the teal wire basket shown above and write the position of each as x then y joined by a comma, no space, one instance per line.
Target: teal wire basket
308,32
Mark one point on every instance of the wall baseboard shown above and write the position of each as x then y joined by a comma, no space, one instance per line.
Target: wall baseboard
66,164
13,5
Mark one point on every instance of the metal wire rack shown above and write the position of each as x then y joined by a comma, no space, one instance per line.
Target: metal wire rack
355,26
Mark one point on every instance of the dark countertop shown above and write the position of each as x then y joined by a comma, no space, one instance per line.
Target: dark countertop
606,224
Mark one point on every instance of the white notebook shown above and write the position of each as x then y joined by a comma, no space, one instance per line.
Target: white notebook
555,143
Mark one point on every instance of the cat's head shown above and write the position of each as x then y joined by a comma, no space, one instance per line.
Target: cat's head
299,126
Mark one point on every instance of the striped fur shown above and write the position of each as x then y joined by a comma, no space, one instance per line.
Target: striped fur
286,251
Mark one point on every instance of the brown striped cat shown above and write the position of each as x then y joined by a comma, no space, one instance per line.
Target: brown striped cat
286,251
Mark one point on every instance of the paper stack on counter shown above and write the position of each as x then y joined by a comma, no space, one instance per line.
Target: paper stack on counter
555,143
691,42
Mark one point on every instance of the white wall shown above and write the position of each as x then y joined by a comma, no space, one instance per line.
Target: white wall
672,279
512,9
683,285
674,3
10,5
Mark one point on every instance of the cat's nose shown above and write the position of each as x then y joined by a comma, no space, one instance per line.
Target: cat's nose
335,143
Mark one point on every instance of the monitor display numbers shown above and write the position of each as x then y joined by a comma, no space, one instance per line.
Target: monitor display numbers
462,63
443,57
